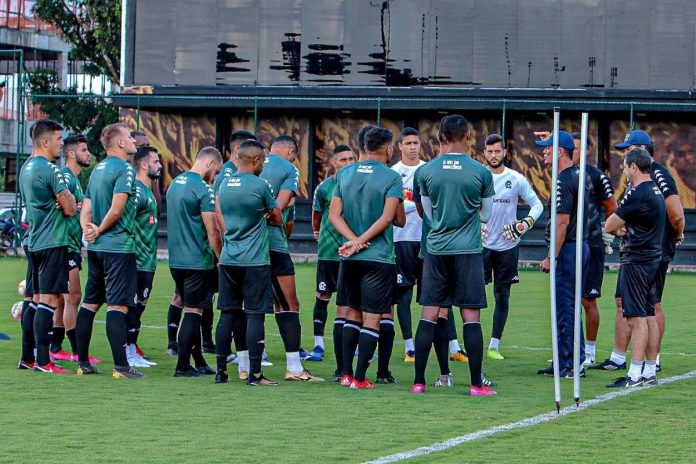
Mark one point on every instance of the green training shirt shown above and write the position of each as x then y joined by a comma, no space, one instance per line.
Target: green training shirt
75,230
363,187
145,227
188,196
281,174
329,239
455,184
425,227
226,171
244,199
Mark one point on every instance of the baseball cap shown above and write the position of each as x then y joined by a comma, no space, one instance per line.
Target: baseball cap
635,137
565,140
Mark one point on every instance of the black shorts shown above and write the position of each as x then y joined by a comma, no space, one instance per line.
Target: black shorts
145,279
281,264
74,261
341,299
409,267
29,277
369,286
501,266
50,271
593,273
327,276
195,286
454,280
637,283
111,278
246,287
660,280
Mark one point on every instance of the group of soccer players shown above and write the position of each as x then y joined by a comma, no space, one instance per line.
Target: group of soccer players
448,226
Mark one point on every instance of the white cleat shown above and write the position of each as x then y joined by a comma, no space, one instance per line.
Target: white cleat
135,360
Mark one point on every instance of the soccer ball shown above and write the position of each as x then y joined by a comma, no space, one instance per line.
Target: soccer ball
16,310
21,288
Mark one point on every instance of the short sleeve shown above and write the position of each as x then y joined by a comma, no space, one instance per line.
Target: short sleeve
207,199
416,197
395,189
269,202
124,180
564,198
56,180
630,204
603,187
291,180
487,189
338,190
140,199
665,182
318,200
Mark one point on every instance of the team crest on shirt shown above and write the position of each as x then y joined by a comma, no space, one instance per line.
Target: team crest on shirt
152,219
508,184
452,164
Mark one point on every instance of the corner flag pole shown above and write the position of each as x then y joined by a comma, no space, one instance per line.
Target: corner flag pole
579,224
552,258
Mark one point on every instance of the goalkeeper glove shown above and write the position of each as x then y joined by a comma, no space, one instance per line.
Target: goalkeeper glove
608,240
512,232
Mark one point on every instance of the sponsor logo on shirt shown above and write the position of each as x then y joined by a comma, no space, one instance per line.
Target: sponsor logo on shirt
365,169
181,180
236,182
501,200
451,164
152,219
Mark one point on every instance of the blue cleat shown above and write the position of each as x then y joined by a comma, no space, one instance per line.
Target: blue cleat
317,354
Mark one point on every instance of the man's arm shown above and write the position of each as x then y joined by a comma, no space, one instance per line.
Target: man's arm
284,198
316,223
613,225
562,221
675,214
274,217
66,202
89,230
219,219
336,219
610,206
400,215
211,228
118,202
486,209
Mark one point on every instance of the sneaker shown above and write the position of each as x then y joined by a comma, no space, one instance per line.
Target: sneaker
481,391
568,373
51,368
442,381
189,372
625,382
336,377
265,362
304,376
303,353
141,353
486,381
317,354
389,378
345,380
232,359
134,360
91,359
650,381
61,355
459,356
658,368
410,357
365,384
244,375
23,365
205,370
221,377
261,381
548,371
208,347
495,354
589,360
418,388
609,365
87,369
126,372
173,350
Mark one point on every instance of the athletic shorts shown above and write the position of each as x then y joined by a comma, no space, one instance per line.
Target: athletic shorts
637,283
501,266
112,278
409,267
593,273
340,286
454,280
195,286
29,277
246,287
50,271
145,279
660,280
327,276
281,264
74,261
369,286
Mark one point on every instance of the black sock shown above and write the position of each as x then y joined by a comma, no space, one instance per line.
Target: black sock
83,333
367,343
140,308
43,323
188,334
117,333
173,321
451,326
28,340
441,345
338,343
132,324
72,338
255,337
57,338
320,315
424,340
501,292
207,326
197,351
223,338
289,326
404,295
239,330
351,335
473,343
386,345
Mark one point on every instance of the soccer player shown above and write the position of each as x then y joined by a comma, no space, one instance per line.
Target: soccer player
566,215
409,267
245,204
501,248
283,177
194,246
362,210
49,206
31,300
640,220
455,193
108,224
328,260
147,168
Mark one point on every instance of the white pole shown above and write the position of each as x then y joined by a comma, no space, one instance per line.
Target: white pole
124,25
579,223
552,258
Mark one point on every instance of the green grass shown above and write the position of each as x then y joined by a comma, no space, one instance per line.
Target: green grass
162,419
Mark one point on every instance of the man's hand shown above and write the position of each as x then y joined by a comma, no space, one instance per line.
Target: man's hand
608,240
316,235
91,232
351,247
512,232
680,239
484,232
545,265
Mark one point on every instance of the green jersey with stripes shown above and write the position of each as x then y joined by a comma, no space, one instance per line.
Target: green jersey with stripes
145,227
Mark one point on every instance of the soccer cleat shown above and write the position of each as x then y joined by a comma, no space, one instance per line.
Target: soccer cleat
495,354
481,391
650,381
345,380
303,353
134,360
51,368
548,371
232,358
141,353
126,372
625,382
442,381
205,370
61,355
243,375
658,367
459,356
609,365
265,362
87,369
317,354
568,373
410,357
486,381
23,365
221,377
208,347
364,385
389,378
173,350
189,372
418,388
304,376
261,381
336,377
92,360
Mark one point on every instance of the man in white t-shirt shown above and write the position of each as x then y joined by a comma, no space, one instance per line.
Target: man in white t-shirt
501,248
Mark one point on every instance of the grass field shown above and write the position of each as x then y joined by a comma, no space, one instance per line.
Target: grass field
161,419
